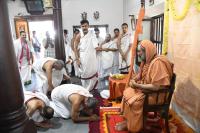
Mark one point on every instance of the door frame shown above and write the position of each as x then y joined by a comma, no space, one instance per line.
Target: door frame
29,18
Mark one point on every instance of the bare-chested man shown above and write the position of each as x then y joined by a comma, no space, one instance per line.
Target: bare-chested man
49,73
70,100
38,109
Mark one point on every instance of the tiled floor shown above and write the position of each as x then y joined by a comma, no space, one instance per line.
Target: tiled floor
65,126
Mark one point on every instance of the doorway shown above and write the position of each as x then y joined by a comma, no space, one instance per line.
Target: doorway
39,23
41,27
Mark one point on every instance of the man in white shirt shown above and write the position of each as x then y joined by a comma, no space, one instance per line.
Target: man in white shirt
86,59
24,55
124,49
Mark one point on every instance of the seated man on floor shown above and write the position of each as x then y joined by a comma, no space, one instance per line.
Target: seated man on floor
49,74
70,100
157,72
38,109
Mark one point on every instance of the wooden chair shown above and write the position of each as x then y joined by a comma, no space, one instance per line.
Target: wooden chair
161,108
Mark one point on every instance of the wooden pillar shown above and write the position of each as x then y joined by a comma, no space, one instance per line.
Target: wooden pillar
59,42
13,118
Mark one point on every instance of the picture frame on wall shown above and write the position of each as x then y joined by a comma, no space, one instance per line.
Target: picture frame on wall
21,25
151,2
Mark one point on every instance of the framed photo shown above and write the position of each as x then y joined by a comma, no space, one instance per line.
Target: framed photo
48,3
151,2
21,25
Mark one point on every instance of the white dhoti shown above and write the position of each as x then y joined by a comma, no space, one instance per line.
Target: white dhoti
68,53
23,56
25,73
60,99
125,44
57,75
106,65
88,68
30,95
77,73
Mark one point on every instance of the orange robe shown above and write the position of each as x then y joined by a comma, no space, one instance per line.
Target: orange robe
156,71
159,73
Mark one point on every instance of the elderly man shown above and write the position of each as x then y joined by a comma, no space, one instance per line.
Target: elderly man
38,109
107,61
156,74
49,73
124,49
99,38
70,100
86,59
24,55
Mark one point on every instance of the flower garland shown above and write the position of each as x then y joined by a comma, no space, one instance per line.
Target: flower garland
197,4
173,11
166,28
111,112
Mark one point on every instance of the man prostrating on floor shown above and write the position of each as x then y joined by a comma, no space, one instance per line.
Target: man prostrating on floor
70,100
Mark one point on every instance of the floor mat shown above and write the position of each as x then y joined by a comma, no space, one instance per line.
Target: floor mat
109,116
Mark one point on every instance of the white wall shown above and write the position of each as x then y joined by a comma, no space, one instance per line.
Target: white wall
14,8
111,12
132,7
18,7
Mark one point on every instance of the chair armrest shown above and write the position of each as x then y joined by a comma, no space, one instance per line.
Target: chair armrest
162,90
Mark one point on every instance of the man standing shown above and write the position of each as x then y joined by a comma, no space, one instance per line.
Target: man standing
68,52
107,61
70,100
124,49
116,53
50,73
97,32
85,53
36,45
48,44
99,60
74,67
23,51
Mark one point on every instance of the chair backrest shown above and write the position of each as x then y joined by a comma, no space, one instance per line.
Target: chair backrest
171,88
167,94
